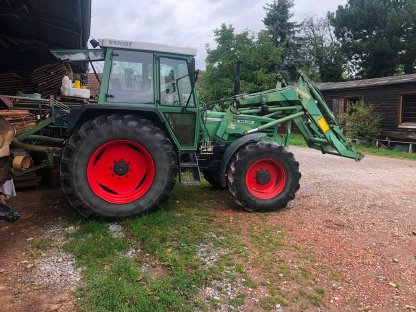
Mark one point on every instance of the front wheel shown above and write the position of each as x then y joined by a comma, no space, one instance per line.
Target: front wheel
263,176
117,166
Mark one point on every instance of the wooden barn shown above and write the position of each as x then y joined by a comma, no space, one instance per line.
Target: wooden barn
393,97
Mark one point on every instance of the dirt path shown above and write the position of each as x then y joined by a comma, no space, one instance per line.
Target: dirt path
17,293
359,218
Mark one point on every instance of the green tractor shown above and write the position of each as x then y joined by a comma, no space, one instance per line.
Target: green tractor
122,154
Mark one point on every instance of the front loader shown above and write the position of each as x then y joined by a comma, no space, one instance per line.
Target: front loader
122,153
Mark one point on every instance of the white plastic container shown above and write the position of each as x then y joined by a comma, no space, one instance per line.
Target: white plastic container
82,93
66,86
68,90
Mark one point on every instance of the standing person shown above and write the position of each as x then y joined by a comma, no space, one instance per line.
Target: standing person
7,189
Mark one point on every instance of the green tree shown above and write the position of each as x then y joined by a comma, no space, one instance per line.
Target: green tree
377,36
277,21
261,60
321,49
283,32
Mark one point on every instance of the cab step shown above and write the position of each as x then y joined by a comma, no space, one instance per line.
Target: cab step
189,173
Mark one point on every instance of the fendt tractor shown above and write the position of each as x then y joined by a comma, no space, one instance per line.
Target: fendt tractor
121,153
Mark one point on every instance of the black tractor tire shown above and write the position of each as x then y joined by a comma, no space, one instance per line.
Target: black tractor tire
213,177
126,136
263,177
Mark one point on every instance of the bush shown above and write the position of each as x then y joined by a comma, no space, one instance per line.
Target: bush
362,121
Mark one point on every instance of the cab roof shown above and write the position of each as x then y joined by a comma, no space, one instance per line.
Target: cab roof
145,46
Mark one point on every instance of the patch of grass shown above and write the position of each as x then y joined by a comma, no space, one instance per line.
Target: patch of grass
113,282
171,238
93,244
385,152
42,243
270,302
298,140
316,296
237,301
249,283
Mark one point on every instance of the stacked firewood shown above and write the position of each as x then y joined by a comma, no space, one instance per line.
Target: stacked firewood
21,120
48,79
11,83
45,80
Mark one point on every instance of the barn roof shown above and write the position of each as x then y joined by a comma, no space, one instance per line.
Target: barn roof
28,28
366,83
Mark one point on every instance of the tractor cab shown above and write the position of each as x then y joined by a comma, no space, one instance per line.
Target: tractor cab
157,79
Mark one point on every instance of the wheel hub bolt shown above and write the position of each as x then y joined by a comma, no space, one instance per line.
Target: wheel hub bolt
263,177
121,168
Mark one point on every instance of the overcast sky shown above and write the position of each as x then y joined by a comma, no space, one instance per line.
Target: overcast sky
187,22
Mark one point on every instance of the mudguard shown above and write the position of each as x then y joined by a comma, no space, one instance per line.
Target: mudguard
83,113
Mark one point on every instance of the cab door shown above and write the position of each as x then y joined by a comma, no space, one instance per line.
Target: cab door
176,100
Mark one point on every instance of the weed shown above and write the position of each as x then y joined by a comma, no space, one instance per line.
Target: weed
237,301
249,283
316,296
42,243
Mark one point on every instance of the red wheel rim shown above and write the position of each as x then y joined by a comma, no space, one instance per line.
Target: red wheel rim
266,178
120,171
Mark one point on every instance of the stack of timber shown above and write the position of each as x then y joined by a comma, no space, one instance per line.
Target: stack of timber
45,80
21,120
11,83
48,79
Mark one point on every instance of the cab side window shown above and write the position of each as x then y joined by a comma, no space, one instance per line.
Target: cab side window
175,83
131,78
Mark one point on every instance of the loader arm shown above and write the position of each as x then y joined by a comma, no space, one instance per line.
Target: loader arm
302,105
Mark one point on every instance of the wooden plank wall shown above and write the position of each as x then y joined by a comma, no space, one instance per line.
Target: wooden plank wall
386,101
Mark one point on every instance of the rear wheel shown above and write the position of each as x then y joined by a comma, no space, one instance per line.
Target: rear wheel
117,166
263,176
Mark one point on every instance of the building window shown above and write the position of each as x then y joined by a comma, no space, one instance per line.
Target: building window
350,102
408,110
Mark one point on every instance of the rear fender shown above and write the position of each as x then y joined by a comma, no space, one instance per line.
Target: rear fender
79,115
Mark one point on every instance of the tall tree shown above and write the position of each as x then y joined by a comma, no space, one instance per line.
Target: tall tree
321,49
283,33
277,21
260,62
377,36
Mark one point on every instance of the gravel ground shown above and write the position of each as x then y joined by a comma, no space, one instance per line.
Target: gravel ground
360,220
57,270
31,262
